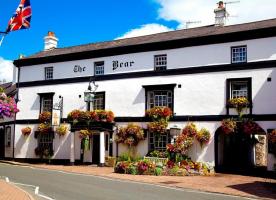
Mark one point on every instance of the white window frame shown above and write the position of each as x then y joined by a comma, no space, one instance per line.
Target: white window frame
46,99
99,68
239,54
8,136
99,101
160,62
49,73
153,98
239,93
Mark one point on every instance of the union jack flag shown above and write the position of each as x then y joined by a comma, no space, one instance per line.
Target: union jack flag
21,18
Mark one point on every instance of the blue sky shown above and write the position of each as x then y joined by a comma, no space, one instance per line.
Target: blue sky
86,21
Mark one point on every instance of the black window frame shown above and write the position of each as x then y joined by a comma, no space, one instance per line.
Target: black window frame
160,68
154,139
46,71
236,47
42,96
97,64
249,93
168,87
99,93
8,136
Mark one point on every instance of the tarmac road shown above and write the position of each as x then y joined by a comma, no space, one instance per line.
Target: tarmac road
69,186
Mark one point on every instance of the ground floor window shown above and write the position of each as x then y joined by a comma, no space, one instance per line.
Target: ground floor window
45,141
158,142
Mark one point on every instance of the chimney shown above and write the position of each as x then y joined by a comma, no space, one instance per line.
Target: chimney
50,41
221,14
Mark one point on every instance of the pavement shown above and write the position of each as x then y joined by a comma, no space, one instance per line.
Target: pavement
9,191
237,185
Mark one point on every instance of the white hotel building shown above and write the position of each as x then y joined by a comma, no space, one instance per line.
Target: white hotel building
192,71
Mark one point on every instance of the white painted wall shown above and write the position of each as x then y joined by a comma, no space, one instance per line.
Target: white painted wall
205,55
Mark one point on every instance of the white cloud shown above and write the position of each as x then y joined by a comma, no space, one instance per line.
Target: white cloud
183,11
146,29
6,70
203,10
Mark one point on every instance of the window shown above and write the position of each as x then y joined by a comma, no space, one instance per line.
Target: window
158,142
8,136
239,54
99,68
160,62
239,89
45,141
99,101
49,73
160,98
46,102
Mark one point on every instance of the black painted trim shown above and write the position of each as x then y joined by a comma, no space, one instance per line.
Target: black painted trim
168,72
154,46
228,91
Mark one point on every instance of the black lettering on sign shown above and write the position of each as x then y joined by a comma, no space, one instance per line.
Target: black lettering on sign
117,64
78,68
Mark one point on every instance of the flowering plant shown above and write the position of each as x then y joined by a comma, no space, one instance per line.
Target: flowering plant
190,130
26,131
44,128
121,167
84,134
130,135
158,113
45,117
8,107
62,130
203,136
91,116
159,127
142,166
183,143
239,103
228,126
250,127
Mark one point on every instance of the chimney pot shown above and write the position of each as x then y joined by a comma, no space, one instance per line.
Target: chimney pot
221,14
50,41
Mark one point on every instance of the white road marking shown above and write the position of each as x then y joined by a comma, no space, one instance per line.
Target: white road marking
140,183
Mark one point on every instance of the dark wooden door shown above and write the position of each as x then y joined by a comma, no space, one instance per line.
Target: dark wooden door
96,149
2,143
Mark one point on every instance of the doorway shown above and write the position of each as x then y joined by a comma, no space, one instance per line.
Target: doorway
234,152
2,143
96,149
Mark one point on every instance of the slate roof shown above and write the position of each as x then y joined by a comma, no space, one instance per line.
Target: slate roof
192,33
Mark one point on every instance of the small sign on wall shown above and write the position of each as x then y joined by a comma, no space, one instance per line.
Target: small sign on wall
55,117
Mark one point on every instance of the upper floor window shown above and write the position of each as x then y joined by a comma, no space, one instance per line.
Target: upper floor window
99,101
239,54
239,89
49,73
160,98
99,68
159,95
46,102
160,62
8,136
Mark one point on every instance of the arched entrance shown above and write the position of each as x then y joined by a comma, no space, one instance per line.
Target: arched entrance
236,152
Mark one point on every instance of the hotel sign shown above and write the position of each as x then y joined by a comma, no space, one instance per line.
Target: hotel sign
116,64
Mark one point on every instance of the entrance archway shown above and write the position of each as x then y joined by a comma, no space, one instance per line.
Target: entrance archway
236,152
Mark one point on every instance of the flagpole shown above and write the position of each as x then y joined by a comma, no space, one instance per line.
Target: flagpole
3,36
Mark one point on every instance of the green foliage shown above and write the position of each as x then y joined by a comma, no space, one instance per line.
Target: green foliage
128,156
158,171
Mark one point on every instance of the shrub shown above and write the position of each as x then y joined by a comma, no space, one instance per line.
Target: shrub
158,171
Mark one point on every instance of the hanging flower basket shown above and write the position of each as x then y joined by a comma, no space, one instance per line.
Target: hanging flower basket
85,133
228,126
203,136
44,128
190,130
45,117
130,135
26,131
158,127
158,113
62,130
250,127
8,107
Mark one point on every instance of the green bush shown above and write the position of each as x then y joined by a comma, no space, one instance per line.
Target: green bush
132,170
158,171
